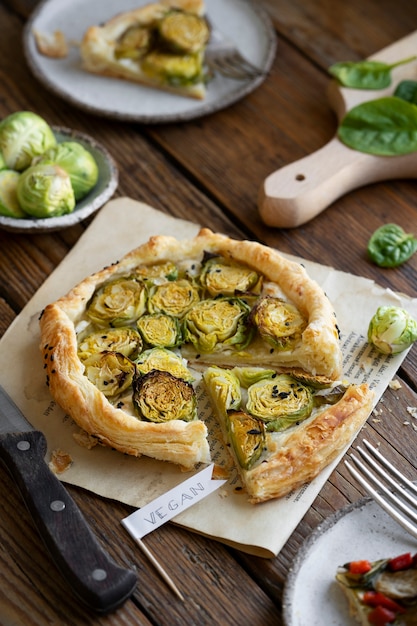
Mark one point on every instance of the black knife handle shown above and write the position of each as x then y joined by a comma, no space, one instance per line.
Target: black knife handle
95,578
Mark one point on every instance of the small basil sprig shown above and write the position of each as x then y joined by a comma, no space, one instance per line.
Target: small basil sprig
365,74
391,246
385,126
407,90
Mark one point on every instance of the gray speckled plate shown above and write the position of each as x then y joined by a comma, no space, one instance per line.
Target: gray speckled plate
243,22
359,531
103,190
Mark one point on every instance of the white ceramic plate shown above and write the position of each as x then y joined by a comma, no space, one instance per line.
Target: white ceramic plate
359,531
248,26
106,185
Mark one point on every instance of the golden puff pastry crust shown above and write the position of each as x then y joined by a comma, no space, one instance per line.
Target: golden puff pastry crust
99,42
316,354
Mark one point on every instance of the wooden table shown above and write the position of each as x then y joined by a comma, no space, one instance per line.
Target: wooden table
209,170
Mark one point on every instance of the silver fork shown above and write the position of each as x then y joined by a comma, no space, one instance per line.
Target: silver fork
394,492
221,55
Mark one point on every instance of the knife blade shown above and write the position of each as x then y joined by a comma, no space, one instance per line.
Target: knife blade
94,577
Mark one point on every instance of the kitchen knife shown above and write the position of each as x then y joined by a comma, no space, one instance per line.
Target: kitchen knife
94,577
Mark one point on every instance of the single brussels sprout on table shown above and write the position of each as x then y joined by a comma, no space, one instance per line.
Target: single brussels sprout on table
126,341
392,330
163,359
9,204
222,277
111,372
160,330
280,402
118,303
390,246
161,397
23,136
213,325
279,323
45,190
78,162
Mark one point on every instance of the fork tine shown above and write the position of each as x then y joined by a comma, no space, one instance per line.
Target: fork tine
387,499
234,66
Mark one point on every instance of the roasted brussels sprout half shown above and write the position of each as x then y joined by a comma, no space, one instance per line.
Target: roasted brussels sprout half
392,330
118,303
158,273
247,436
247,376
23,136
111,372
9,204
165,360
78,162
329,396
279,402
225,385
161,397
173,297
183,32
160,330
173,69
213,325
126,341
222,277
45,190
279,323
134,43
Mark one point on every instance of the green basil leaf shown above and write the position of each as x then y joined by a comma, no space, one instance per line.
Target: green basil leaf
390,246
365,74
407,90
386,127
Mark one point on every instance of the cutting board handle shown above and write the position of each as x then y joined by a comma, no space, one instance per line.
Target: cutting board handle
301,190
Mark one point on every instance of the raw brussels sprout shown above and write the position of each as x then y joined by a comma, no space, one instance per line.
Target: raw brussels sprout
134,43
161,397
390,246
78,162
173,298
279,402
172,68
279,323
392,330
126,341
160,330
183,32
118,303
247,436
9,204
111,372
23,136
223,383
163,359
213,325
160,272
45,190
222,277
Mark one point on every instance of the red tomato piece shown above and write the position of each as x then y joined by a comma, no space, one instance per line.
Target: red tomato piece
359,567
403,561
374,598
381,616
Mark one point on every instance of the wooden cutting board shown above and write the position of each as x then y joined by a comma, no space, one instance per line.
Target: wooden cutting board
297,192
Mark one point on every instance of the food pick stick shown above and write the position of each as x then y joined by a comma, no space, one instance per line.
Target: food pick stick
159,568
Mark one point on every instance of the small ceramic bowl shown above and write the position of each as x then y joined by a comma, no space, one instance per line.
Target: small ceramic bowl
105,187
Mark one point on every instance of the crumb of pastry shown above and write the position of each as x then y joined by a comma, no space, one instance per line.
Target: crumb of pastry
85,440
60,461
412,410
52,45
394,384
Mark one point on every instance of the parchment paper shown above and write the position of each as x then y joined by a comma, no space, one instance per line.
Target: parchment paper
224,515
